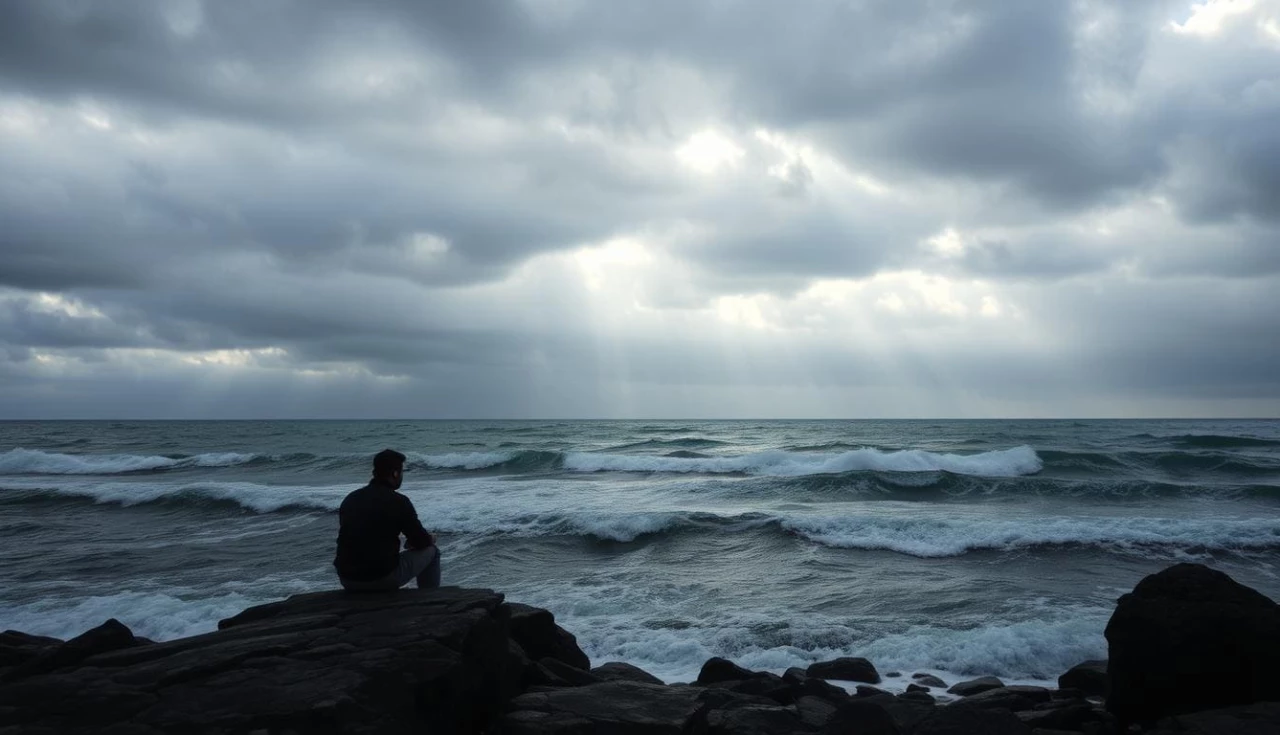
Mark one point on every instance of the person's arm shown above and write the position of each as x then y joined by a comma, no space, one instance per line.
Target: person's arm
415,536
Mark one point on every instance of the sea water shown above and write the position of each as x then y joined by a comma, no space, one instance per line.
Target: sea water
955,547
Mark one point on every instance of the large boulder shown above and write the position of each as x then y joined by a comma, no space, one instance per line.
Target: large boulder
329,662
1190,638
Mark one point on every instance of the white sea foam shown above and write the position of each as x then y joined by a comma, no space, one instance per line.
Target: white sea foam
938,535
463,460
158,615
35,462
252,496
1003,463
777,463
670,632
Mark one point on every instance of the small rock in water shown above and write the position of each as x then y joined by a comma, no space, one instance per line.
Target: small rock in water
847,668
929,680
976,686
718,669
1089,677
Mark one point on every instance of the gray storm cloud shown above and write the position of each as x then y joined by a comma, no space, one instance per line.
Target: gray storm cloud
560,208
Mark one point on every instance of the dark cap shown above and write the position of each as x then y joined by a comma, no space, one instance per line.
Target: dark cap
386,461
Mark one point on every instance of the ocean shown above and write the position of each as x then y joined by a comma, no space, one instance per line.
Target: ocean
955,547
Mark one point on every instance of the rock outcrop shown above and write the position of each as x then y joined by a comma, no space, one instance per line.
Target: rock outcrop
330,662
1190,638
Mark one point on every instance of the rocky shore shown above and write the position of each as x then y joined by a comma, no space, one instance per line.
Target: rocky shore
1190,651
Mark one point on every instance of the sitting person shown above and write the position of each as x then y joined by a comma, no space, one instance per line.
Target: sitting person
371,520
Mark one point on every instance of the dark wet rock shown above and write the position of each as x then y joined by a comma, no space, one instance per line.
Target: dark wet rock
323,663
1010,698
1065,717
804,685
929,680
717,669
571,674
975,686
620,671
917,688
893,675
953,720
847,668
110,636
1262,718
536,631
1190,638
1089,677
815,711
761,684
625,707
17,648
717,698
757,720
903,714
863,690
861,716
917,695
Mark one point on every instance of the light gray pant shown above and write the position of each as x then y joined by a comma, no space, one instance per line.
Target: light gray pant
420,564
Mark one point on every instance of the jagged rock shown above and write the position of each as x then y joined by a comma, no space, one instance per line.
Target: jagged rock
718,669
757,720
1262,718
536,631
1089,677
1190,638
953,720
804,685
620,671
110,636
625,707
975,686
847,668
929,680
571,674
917,688
322,663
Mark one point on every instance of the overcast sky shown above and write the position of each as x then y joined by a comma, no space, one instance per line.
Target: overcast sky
676,208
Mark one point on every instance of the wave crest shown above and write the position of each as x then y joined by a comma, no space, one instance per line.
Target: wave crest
35,462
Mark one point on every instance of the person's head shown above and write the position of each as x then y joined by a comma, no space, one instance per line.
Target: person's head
388,467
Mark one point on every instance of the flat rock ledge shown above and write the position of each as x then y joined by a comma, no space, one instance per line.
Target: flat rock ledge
458,660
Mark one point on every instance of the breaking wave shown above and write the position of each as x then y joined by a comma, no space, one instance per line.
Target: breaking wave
36,462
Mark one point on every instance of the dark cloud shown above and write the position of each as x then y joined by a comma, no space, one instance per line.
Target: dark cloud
332,206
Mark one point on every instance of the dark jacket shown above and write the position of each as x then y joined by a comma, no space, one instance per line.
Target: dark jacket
370,522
